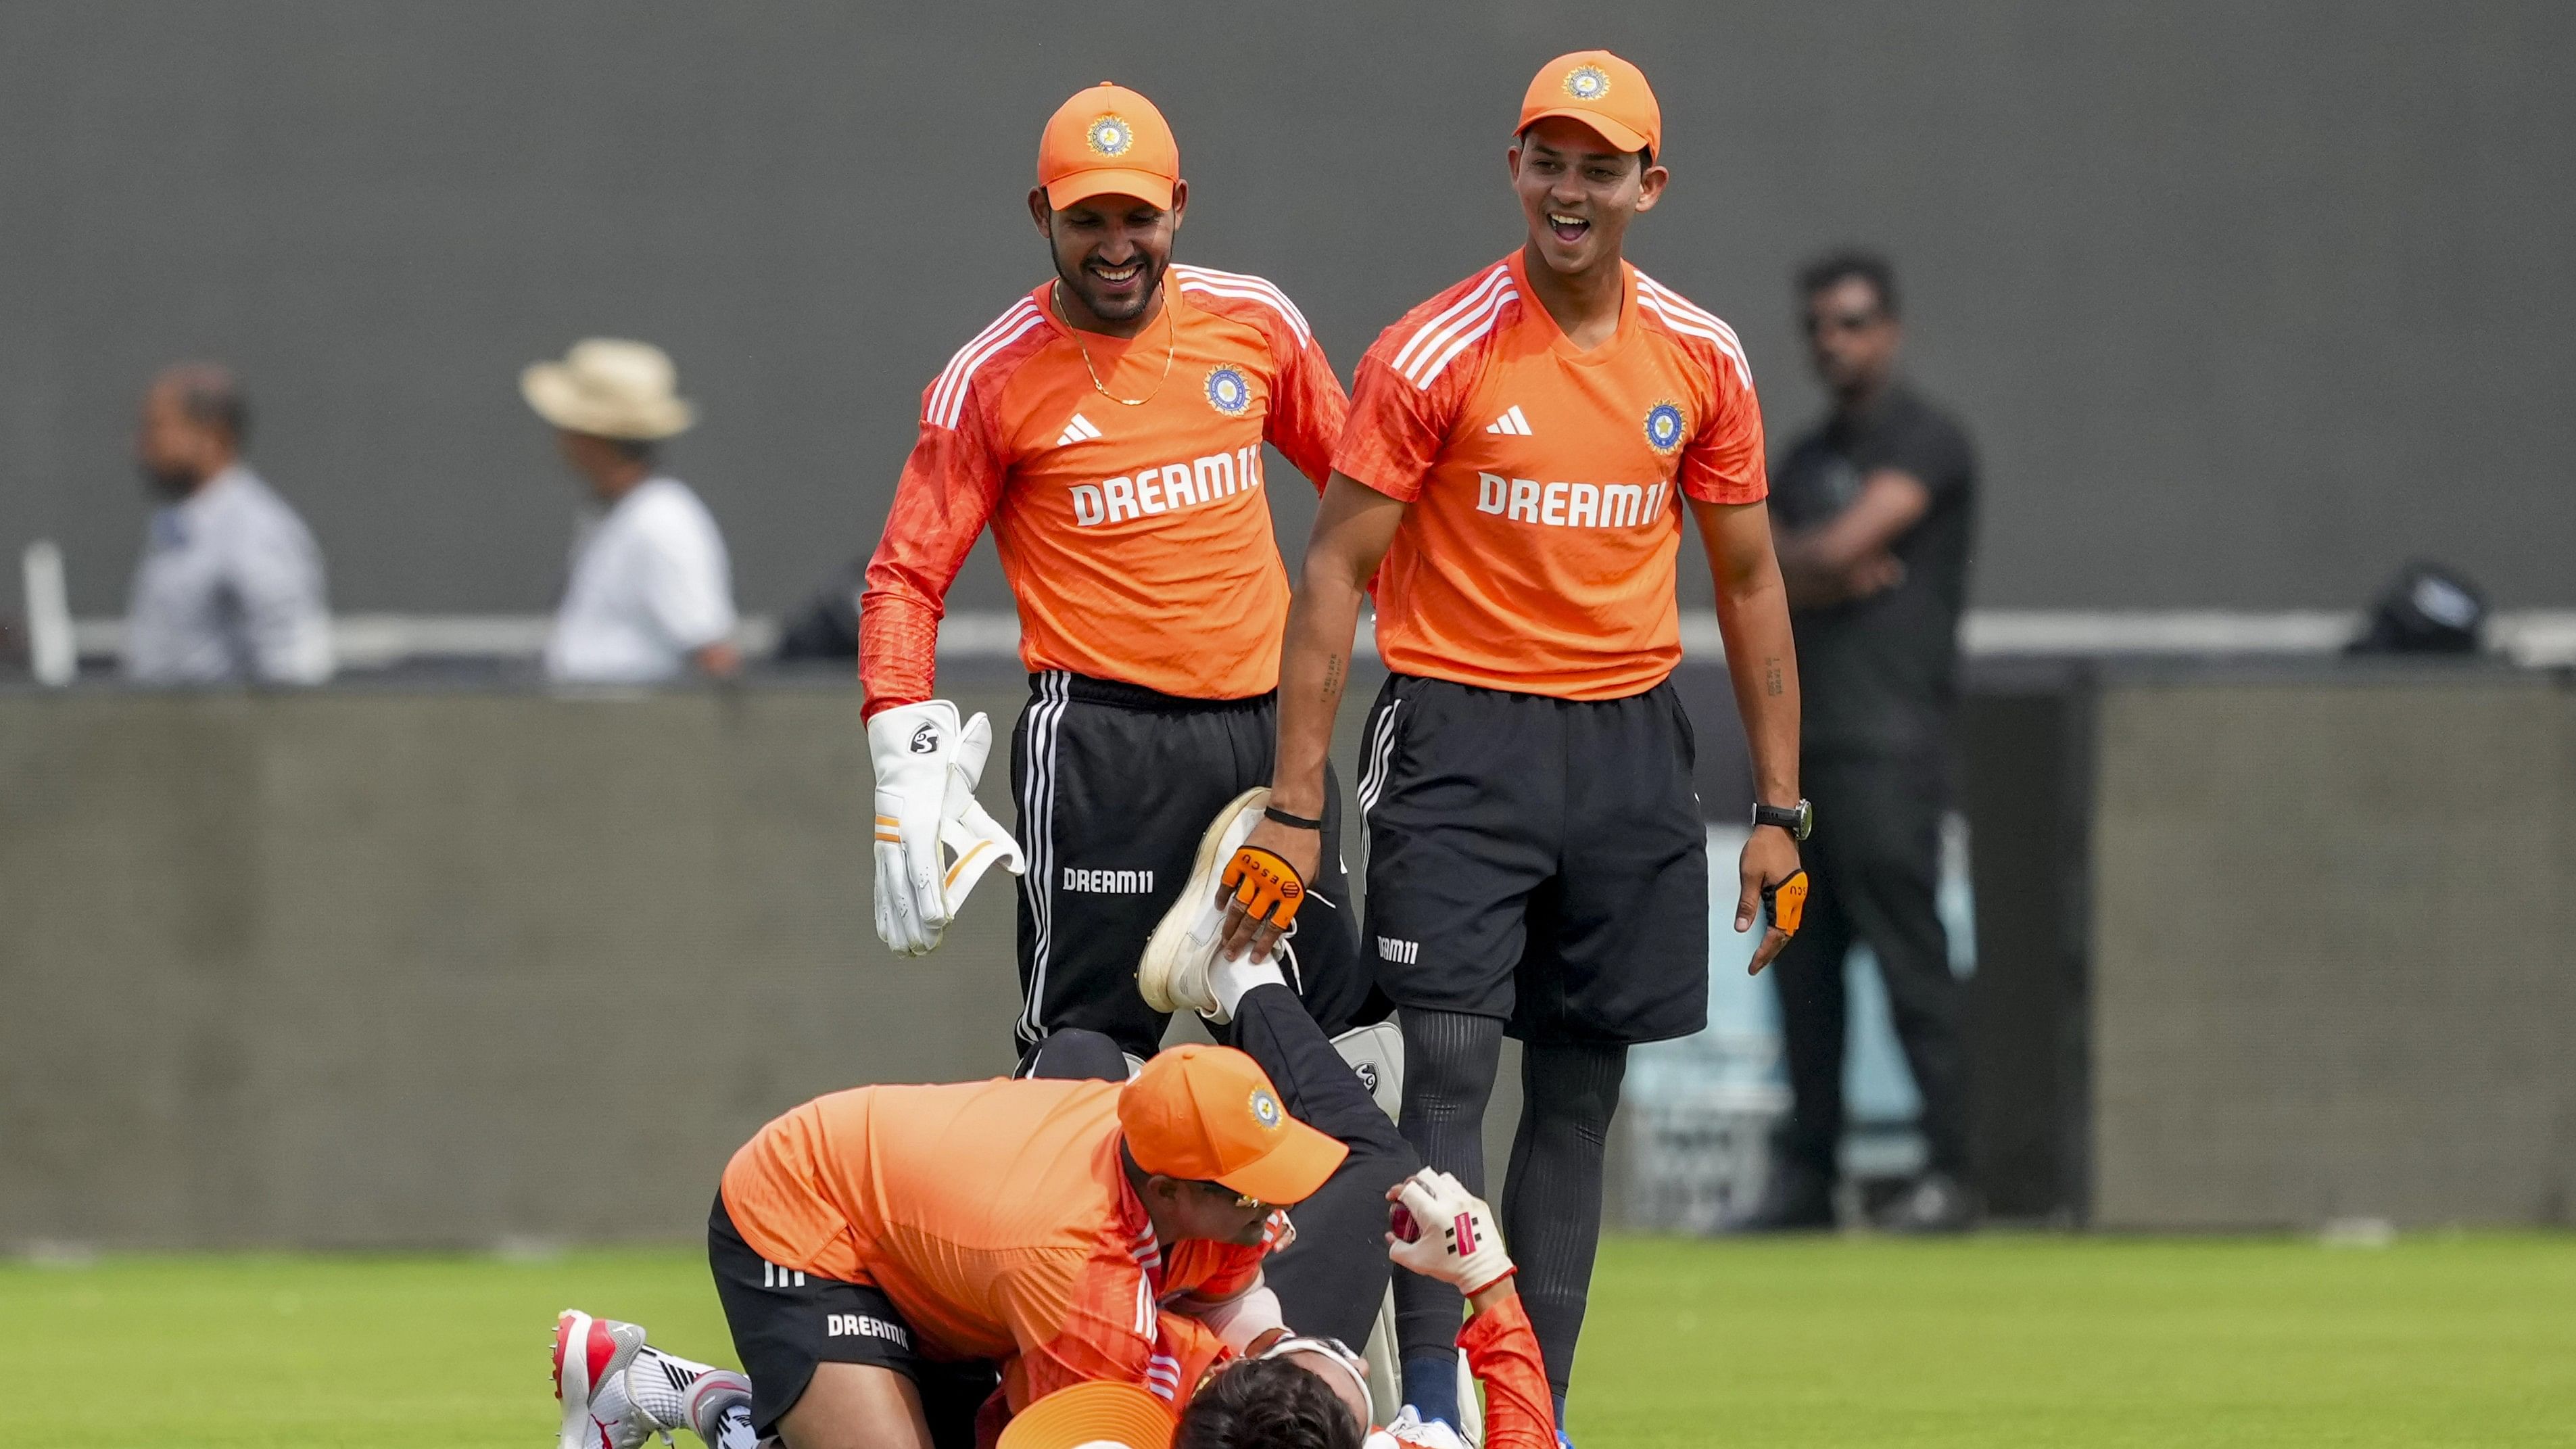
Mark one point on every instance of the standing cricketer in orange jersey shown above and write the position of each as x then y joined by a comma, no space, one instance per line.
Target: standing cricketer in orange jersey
1108,429
1519,456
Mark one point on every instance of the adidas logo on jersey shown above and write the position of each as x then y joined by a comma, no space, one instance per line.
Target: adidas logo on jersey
1080,430
1572,505
1511,422
1172,486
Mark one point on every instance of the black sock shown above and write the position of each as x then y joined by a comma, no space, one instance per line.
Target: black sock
1431,1386
1551,1204
1449,1062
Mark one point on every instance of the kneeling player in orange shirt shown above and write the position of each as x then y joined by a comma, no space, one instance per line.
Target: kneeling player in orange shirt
888,1256
895,1261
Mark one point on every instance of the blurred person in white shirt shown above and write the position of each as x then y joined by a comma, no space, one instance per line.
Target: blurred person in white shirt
651,593
229,589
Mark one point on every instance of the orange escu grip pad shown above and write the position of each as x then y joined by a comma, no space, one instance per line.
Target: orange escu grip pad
1268,887
1786,903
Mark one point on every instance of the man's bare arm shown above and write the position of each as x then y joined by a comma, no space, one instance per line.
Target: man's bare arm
1846,557
1753,616
1354,525
720,660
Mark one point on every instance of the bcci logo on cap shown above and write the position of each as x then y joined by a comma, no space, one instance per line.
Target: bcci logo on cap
1227,392
1110,135
1265,1109
1587,83
1664,427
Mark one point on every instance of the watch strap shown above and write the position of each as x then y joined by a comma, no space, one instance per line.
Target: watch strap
1797,819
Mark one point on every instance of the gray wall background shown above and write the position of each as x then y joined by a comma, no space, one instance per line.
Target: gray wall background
359,967
375,966
372,967
2245,301
2330,940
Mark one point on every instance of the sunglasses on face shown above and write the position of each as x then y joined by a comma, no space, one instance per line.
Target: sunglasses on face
1242,1200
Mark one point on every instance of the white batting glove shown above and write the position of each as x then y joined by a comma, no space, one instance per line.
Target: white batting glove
976,841
1441,1230
927,767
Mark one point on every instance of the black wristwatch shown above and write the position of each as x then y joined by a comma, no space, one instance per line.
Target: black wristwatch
1797,819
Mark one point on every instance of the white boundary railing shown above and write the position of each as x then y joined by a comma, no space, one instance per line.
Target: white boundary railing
2545,637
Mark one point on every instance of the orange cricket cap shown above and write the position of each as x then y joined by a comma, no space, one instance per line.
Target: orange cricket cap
1209,1114
1603,92
1106,141
1095,1415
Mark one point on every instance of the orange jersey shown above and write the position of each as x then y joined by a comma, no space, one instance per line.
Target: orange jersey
1502,1352
997,1217
1136,539
1538,553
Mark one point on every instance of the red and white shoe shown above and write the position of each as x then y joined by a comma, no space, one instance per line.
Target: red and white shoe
591,1359
618,1391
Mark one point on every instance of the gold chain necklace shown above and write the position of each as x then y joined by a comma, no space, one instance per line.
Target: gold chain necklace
1055,294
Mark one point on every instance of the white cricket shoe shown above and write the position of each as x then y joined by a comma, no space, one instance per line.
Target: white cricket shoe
1173,973
591,1359
618,1391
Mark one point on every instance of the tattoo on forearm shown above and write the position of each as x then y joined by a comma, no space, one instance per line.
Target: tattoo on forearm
1771,675
1332,677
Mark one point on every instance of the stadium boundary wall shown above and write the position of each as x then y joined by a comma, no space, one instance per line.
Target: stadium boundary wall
361,968
2330,933
398,967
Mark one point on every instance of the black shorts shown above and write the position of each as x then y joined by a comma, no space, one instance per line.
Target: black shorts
785,1322
1115,785
1536,859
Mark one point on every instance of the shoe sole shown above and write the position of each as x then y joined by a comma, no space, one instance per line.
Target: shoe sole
582,1351
1189,928
586,1353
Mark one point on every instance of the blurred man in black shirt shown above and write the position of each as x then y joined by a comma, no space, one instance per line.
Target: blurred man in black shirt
1873,513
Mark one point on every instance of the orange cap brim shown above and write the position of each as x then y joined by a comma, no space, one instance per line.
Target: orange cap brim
1098,1412
1619,136
1290,1172
1145,186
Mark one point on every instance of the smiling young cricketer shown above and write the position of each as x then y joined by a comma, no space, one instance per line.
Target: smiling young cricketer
1521,451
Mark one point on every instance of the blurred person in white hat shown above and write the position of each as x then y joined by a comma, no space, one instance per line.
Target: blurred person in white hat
651,591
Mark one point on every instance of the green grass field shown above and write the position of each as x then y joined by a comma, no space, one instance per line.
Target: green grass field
2467,1340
